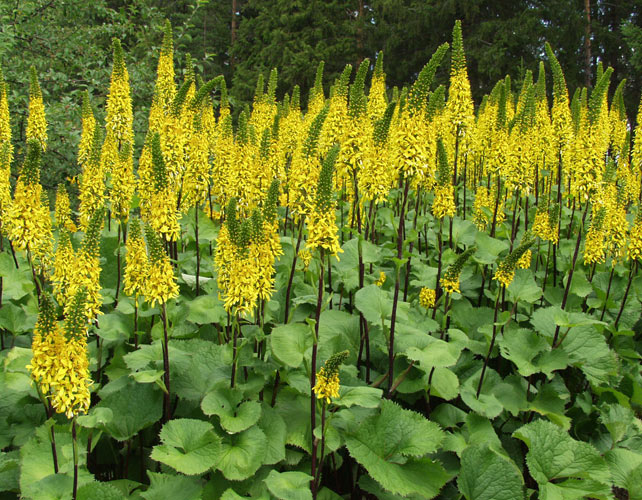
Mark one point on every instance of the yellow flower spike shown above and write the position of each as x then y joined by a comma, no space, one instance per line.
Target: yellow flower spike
382,279
506,268
306,257
459,106
322,227
63,266
504,276
92,182
327,378
27,220
36,121
450,281
444,202
594,245
60,365
117,149
161,213
450,284
524,261
327,385
136,263
5,123
63,210
427,297
161,283
634,249
85,274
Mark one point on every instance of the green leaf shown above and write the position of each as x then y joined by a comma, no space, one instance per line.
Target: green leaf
575,489
486,475
148,376
530,352
242,454
587,350
436,353
487,404
37,479
197,365
580,286
289,485
464,232
9,471
626,470
172,487
114,327
374,303
549,403
488,249
523,287
289,343
206,309
275,429
135,407
617,419
14,319
295,410
553,454
188,446
17,282
444,384
367,397
236,415
96,417
98,491
381,441
338,331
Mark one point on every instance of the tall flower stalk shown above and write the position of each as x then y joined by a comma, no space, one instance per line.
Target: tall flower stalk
322,235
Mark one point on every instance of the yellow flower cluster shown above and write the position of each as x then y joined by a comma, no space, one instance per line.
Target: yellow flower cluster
634,249
163,216
25,217
544,228
60,365
306,257
86,275
120,118
322,232
136,265
71,395
524,261
481,206
5,125
450,284
594,246
161,285
64,266
327,385
63,211
246,274
504,276
382,279
444,202
5,182
427,297
36,122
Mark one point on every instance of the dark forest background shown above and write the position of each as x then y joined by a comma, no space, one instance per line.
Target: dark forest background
69,42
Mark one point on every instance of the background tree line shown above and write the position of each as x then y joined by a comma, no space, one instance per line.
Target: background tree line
69,43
